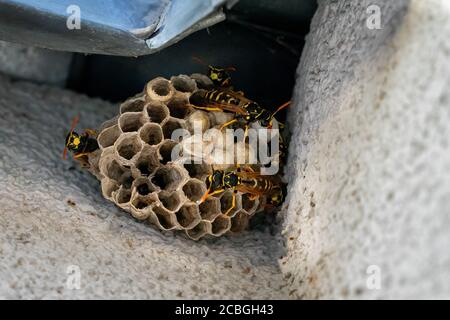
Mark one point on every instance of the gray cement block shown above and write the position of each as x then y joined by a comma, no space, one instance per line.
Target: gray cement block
34,64
370,162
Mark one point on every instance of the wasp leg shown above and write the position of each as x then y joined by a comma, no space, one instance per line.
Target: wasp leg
83,159
226,124
90,132
233,203
225,83
78,155
246,132
207,195
217,192
205,108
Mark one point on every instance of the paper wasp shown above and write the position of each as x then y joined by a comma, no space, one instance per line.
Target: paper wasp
245,110
247,181
80,145
230,101
277,198
220,76
223,98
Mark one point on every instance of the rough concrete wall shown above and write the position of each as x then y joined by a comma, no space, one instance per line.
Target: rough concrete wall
370,168
52,216
34,64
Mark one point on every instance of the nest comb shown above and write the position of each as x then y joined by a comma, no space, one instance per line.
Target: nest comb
137,173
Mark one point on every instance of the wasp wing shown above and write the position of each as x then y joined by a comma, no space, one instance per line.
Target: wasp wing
249,190
248,175
199,101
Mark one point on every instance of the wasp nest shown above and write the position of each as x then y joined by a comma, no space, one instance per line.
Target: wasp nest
137,171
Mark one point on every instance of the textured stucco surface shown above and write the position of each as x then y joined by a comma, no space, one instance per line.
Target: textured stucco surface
370,174
34,64
41,234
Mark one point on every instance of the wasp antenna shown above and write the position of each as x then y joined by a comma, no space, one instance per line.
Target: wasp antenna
283,106
74,122
65,153
199,60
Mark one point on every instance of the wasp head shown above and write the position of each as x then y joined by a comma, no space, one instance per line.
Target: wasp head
73,141
277,198
265,118
220,76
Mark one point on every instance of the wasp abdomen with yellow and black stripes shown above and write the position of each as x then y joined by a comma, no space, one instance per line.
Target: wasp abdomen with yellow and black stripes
219,100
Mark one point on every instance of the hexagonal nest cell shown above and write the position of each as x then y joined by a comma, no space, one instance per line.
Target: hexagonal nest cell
139,173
